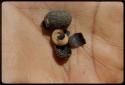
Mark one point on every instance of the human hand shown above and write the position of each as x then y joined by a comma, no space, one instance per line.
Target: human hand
27,56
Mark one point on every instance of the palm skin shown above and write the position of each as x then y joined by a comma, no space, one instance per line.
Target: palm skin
98,61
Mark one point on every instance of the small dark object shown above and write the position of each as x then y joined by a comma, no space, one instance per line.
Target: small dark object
76,40
63,51
57,19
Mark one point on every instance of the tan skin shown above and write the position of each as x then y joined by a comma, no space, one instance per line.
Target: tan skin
27,54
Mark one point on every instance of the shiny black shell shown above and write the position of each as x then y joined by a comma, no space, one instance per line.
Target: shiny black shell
76,40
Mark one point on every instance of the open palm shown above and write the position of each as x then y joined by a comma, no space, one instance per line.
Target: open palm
27,54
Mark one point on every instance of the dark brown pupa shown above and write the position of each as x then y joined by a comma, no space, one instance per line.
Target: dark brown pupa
63,52
57,19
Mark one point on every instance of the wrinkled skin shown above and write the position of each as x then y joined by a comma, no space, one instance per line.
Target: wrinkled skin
27,55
